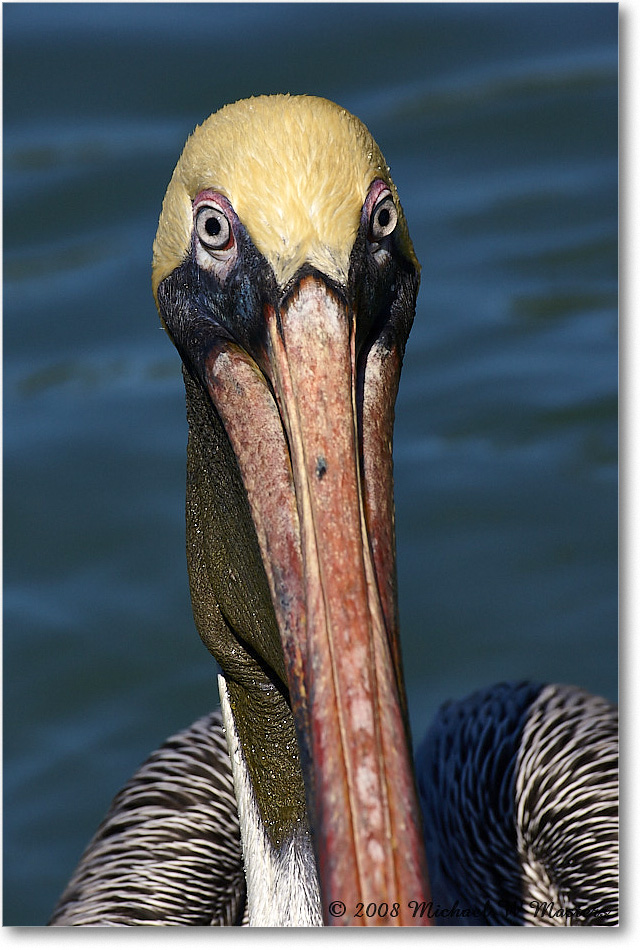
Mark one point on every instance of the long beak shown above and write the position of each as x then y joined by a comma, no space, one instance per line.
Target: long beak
317,470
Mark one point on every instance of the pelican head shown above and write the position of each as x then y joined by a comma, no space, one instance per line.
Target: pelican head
285,276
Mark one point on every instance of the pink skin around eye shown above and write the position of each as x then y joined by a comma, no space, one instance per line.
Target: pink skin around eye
377,189
217,262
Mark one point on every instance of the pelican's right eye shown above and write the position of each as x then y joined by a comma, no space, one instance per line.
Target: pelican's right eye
213,229
215,233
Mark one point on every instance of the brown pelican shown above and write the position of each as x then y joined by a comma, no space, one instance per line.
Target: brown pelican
285,276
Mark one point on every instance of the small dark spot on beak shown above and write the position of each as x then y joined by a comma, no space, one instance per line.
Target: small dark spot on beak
322,467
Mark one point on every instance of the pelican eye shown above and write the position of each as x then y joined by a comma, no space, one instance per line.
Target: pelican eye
384,218
213,229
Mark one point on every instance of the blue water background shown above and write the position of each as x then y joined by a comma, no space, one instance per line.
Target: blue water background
499,123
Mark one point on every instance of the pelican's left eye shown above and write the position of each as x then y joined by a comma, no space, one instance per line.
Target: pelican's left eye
384,218
213,229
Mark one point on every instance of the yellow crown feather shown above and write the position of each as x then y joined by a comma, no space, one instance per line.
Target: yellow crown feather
296,170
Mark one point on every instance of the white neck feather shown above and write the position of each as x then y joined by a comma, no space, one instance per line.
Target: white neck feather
282,884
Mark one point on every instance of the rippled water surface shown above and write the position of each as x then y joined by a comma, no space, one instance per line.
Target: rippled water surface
499,124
